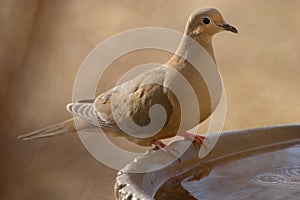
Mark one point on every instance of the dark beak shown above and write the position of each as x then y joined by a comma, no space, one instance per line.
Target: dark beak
228,27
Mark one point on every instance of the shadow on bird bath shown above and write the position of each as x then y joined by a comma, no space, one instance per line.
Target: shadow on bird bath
257,163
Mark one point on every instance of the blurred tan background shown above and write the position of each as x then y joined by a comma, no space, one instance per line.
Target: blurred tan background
43,43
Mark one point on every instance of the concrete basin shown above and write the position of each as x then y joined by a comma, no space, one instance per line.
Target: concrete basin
260,163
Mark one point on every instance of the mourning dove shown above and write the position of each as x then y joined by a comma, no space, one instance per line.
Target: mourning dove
108,110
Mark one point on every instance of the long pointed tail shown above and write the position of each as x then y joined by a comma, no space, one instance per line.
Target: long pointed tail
67,126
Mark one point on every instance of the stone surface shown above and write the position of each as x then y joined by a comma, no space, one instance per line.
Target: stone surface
230,144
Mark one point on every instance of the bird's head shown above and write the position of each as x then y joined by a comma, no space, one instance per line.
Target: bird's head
207,22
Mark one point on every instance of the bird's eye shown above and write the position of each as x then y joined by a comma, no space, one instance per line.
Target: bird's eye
206,20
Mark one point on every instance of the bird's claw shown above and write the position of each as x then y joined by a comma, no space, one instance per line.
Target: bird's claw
199,139
166,148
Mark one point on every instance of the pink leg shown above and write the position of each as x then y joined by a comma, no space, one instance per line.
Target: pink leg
165,148
200,139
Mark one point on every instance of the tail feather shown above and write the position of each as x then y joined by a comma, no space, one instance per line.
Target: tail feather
67,126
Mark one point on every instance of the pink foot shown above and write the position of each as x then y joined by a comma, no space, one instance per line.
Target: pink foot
165,148
199,139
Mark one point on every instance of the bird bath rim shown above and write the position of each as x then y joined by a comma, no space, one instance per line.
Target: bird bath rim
145,185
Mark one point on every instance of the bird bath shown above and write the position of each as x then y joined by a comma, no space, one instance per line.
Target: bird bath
261,163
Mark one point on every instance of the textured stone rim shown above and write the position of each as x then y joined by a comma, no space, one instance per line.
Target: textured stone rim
144,185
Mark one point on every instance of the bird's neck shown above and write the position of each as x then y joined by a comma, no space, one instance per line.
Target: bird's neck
206,43
186,46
